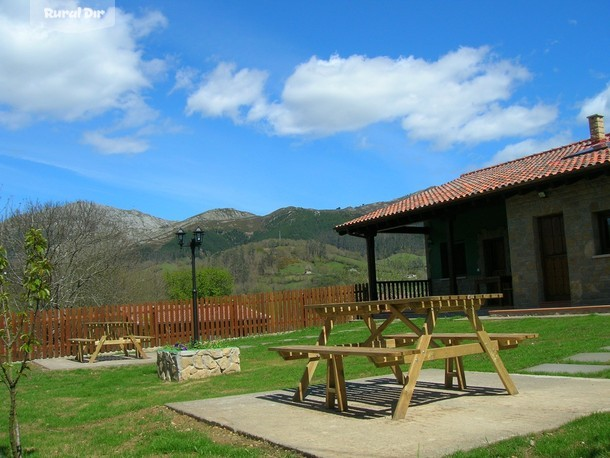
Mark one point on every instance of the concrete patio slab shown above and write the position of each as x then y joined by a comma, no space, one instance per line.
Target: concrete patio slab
439,421
103,360
568,368
591,357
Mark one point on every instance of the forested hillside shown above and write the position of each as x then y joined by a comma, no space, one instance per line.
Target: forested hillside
295,248
276,264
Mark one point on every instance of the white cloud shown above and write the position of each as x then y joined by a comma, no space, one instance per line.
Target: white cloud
155,69
115,145
598,104
136,112
14,120
463,97
529,146
224,92
148,23
48,74
185,79
490,123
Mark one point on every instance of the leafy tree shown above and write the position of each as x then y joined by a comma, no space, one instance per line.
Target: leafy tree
179,284
19,321
211,282
214,282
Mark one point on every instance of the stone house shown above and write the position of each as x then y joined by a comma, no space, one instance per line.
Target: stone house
535,228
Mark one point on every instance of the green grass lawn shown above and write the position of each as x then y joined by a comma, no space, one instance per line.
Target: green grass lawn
120,411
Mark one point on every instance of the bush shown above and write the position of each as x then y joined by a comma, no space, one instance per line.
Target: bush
211,282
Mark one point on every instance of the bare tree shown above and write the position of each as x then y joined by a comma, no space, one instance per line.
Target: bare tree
88,250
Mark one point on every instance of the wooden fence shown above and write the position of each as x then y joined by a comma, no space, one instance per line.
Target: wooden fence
171,322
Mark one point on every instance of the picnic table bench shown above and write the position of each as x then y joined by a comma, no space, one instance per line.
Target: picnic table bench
454,366
335,375
109,333
505,340
389,350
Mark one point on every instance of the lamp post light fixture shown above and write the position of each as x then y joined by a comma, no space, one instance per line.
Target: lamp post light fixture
195,242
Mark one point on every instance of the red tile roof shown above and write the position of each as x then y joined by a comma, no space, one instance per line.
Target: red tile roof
535,168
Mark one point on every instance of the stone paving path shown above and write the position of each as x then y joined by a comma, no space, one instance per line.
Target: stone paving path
570,368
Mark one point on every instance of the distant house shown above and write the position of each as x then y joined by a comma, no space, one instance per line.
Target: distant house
536,228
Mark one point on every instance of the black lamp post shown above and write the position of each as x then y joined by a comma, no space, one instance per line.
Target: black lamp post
195,242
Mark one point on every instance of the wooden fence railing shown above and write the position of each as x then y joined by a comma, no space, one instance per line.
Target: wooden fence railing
171,322
394,289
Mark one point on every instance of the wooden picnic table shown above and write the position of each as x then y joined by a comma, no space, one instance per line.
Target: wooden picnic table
390,350
107,333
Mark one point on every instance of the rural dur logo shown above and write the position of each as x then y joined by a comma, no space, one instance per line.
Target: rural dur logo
72,16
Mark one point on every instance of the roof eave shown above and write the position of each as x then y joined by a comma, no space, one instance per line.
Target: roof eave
381,224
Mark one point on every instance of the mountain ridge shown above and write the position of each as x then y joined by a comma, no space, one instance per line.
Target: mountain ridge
147,228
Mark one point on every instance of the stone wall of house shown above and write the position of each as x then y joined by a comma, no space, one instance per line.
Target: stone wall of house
589,271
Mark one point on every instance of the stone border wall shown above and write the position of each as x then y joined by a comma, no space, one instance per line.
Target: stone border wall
197,364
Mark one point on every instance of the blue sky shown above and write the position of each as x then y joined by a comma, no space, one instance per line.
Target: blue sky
177,107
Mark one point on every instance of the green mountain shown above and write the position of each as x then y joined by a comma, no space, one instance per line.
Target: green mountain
290,248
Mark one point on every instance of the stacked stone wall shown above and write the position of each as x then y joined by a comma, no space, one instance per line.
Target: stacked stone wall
197,364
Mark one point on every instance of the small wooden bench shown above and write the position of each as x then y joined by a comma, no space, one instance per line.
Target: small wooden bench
334,354
81,343
454,366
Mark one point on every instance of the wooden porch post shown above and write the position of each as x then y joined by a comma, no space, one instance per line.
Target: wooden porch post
371,266
453,288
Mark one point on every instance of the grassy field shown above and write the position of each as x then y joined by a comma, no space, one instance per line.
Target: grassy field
120,411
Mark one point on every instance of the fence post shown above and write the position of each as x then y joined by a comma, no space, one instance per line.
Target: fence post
303,308
234,320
